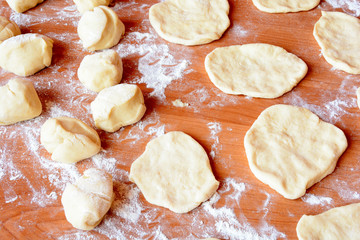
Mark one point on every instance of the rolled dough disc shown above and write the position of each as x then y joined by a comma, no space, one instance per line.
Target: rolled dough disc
284,6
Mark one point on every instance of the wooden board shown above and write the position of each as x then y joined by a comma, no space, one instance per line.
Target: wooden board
244,208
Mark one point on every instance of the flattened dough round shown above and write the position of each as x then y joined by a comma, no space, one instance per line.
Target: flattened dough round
290,149
284,6
257,70
8,29
338,36
23,5
337,223
174,172
190,22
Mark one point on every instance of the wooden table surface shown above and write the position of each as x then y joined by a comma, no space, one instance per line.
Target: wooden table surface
243,208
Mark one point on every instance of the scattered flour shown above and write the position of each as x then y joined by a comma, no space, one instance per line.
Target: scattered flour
316,200
349,6
215,129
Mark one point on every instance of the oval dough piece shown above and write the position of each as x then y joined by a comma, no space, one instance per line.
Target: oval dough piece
174,172
118,106
100,28
26,54
8,29
338,36
69,140
190,22
257,70
18,102
88,200
284,6
23,5
337,223
88,5
290,149
101,70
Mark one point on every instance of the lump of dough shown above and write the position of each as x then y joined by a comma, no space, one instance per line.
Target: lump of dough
23,5
190,22
101,70
284,6
174,172
337,223
118,106
88,200
257,70
87,5
8,29
69,140
26,54
338,36
18,102
290,149
100,28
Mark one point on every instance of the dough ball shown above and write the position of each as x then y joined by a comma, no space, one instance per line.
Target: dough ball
118,106
101,70
338,36
100,28
174,172
88,200
190,22
23,5
337,223
88,5
290,149
26,54
18,102
69,140
257,70
284,6
8,29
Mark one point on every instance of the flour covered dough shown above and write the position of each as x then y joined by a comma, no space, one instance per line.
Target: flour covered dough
257,70
190,22
174,172
22,5
337,223
290,149
284,6
338,36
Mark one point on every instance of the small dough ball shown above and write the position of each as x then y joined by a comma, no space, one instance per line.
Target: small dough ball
23,5
101,70
18,102
100,28
8,29
118,106
26,54
69,140
87,5
88,200
284,6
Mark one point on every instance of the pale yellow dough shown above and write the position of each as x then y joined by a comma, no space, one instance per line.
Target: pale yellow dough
8,29
284,6
337,223
18,102
88,5
290,149
257,70
338,36
23,5
190,22
88,200
174,172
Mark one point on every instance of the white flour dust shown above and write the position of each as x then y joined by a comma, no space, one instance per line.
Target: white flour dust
215,129
349,6
316,200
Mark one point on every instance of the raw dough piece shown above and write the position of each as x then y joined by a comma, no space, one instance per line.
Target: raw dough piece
338,36
290,149
69,139
337,223
190,22
101,70
118,106
88,200
257,70
174,172
26,54
23,5
284,6
100,28
8,29
358,96
88,5
18,102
